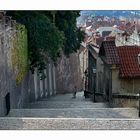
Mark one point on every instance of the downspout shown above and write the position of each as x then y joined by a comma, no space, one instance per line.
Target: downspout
110,87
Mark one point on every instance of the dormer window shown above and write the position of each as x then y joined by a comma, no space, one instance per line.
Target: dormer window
139,58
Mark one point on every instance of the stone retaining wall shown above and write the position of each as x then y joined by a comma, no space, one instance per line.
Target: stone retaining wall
68,74
15,78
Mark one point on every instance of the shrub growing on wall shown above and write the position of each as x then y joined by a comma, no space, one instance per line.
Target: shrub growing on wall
19,52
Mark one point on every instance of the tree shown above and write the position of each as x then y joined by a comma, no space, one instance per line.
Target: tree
49,32
44,38
66,22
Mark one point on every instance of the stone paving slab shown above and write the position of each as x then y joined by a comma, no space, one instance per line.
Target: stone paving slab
76,113
68,124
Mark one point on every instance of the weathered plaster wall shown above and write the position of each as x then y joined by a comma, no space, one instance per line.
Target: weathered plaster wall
115,81
99,75
68,74
130,85
124,86
124,102
83,57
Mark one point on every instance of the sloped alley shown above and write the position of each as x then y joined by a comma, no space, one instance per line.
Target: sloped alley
64,106
64,112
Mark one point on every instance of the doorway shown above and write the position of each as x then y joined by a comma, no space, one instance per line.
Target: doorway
7,101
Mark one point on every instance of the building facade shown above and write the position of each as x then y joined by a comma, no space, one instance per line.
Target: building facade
121,74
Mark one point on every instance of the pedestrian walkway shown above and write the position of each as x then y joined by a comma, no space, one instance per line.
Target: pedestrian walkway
64,106
66,101
63,112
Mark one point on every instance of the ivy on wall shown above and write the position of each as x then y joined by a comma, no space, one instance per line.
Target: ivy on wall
19,53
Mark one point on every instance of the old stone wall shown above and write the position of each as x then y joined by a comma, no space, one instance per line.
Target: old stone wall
15,78
68,74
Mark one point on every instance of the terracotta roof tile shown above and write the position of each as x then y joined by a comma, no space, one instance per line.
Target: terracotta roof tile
110,52
128,56
125,56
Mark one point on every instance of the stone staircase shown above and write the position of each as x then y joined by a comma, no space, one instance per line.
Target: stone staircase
76,113
65,104
63,112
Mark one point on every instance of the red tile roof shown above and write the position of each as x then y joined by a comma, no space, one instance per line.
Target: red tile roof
110,50
128,56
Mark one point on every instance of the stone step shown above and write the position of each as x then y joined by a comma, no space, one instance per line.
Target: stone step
65,104
7,123
76,113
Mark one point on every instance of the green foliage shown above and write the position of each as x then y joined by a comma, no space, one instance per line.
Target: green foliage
49,32
44,38
73,35
19,53
66,22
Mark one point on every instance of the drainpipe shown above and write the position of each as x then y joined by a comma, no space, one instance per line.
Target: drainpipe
110,87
